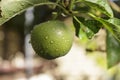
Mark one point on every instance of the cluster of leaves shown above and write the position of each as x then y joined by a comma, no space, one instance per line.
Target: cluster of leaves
88,17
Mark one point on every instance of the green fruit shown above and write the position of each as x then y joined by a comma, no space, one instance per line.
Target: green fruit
51,39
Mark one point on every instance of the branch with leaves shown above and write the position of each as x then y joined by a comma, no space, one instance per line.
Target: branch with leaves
88,17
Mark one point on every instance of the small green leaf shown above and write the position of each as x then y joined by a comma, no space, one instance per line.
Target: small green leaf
101,5
90,27
79,25
79,31
93,25
113,50
83,37
88,32
11,8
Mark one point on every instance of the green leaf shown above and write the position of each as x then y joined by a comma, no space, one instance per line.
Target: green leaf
89,33
11,8
81,7
101,5
112,25
90,27
83,37
113,50
79,31
115,25
93,25
77,24
113,39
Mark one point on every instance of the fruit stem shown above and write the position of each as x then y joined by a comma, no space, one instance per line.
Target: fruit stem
76,19
52,3
57,1
71,4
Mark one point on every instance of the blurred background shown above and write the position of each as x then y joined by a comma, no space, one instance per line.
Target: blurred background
85,61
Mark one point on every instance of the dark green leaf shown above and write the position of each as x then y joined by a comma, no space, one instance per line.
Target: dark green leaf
113,50
81,7
11,8
93,25
79,24
90,26
101,5
79,30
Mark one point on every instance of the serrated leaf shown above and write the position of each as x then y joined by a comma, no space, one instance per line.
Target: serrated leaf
11,8
113,50
101,5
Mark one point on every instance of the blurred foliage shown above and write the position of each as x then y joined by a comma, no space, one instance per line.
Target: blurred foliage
99,57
